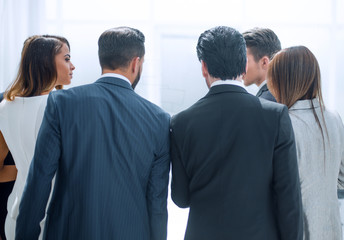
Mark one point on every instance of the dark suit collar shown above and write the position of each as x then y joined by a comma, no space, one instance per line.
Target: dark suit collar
226,88
264,88
114,81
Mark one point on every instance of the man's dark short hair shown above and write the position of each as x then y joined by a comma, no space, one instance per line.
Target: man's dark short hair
262,42
223,50
118,46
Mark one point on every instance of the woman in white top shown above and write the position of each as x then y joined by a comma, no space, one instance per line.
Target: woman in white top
45,64
294,80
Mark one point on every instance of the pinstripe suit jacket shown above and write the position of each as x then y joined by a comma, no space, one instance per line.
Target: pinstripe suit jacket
109,149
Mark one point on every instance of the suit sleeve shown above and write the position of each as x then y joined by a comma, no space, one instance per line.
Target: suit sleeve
158,187
42,170
286,182
180,180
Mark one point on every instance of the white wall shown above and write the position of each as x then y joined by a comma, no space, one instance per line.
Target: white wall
171,76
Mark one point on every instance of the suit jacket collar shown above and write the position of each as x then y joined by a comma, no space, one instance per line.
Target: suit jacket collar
264,88
305,104
115,81
226,88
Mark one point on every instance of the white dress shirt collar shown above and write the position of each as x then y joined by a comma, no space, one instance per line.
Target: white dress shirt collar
262,85
116,76
229,82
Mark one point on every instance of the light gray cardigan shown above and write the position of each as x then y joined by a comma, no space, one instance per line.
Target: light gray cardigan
321,170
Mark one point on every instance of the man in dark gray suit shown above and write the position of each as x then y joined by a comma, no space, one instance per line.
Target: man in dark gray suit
262,44
233,154
109,148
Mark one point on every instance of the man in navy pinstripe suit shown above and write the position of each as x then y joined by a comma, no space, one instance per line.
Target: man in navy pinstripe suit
109,148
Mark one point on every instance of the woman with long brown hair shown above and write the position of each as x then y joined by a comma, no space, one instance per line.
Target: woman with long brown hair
45,64
294,80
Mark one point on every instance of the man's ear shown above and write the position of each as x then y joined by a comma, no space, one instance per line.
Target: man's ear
135,64
264,62
205,72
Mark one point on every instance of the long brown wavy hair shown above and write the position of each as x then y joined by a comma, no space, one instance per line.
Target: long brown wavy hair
37,70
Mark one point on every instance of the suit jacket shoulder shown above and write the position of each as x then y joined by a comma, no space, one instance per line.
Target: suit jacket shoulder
265,93
205,102
90,92
268,96
271,105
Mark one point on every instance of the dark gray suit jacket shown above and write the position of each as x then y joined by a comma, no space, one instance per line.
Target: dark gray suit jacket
265,93
234,164
109,148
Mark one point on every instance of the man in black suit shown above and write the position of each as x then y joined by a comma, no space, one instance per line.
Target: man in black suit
233,154
262,44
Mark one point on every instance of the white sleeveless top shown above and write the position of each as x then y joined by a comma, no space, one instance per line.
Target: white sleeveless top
20,121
